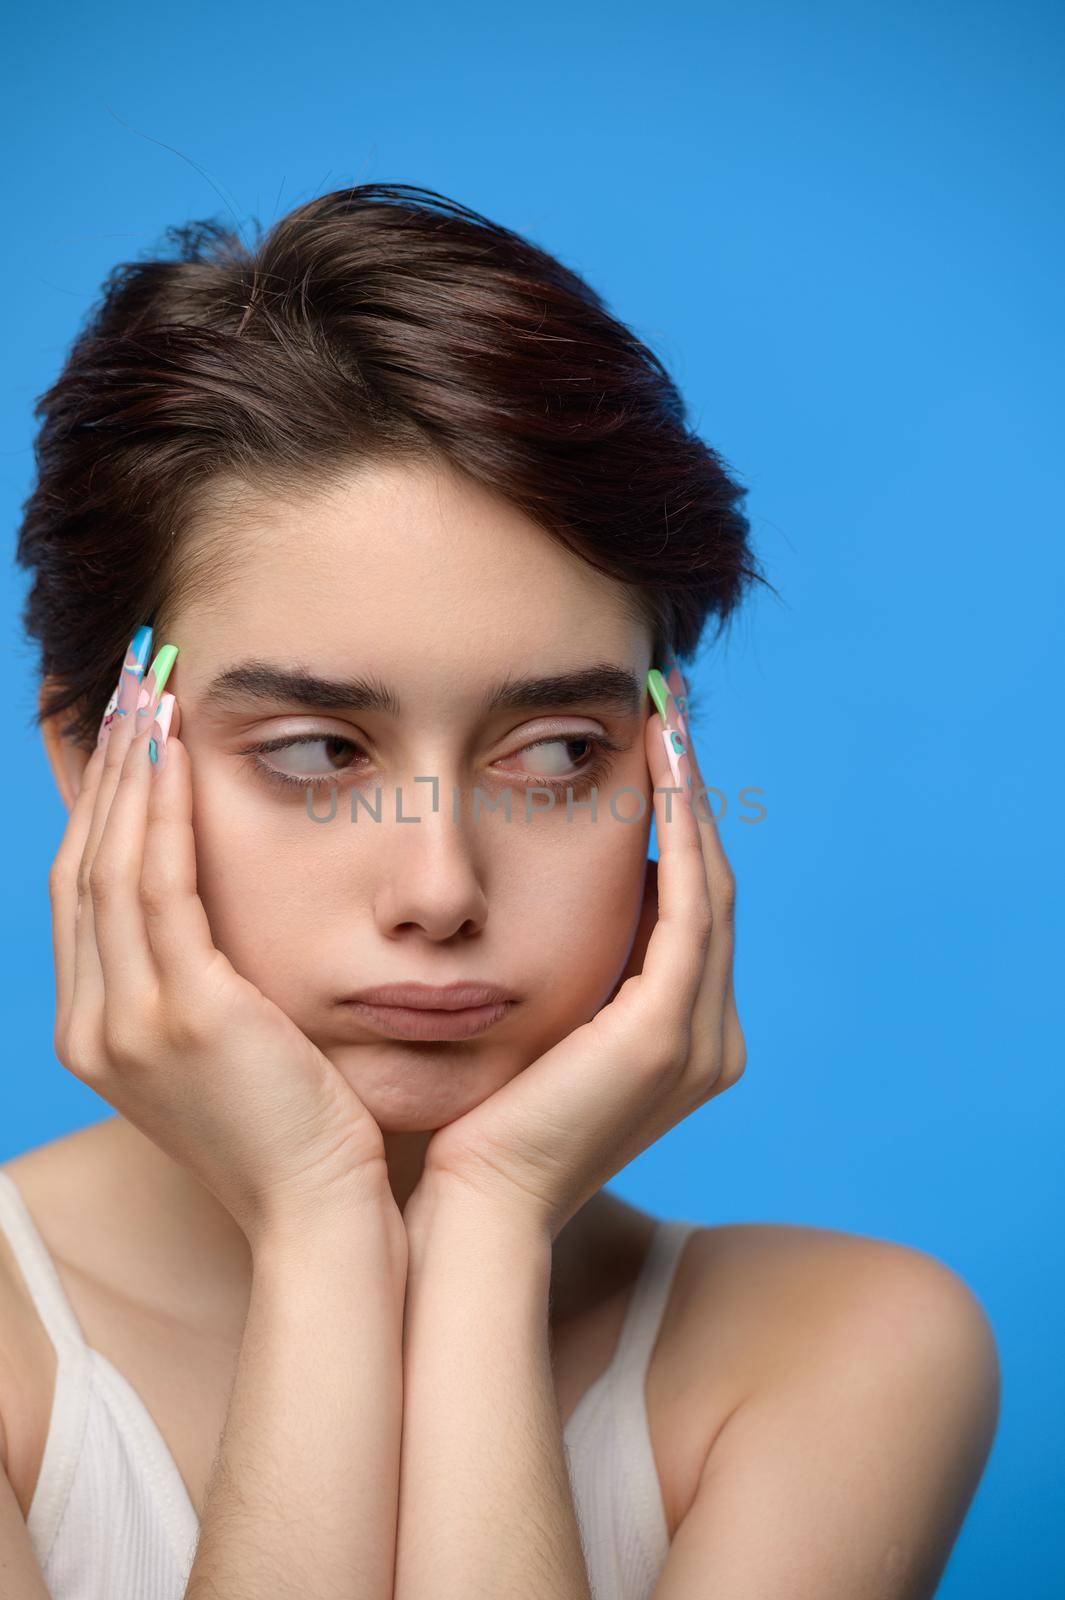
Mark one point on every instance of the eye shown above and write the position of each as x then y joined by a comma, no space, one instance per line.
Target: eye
310,760
551,757
553,766
304,759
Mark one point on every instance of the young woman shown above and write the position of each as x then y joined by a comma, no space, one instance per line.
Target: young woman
393,537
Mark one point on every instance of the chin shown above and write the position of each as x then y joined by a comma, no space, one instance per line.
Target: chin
410,1087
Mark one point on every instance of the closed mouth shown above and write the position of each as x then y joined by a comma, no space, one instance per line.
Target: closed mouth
435,998
429,1022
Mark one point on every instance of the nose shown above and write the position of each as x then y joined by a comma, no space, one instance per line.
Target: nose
429,878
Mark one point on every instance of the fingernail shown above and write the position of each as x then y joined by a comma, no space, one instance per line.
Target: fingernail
108,717
159,730
658,689
155,681
675,743
665,700
126,690
680,766
678,686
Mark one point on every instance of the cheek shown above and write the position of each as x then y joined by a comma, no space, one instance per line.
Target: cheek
264,875
284,894
574,910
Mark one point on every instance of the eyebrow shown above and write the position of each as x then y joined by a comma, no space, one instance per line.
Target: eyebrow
249,682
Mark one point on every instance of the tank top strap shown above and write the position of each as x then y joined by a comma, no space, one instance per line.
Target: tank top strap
39,1270
73,1378
649,1297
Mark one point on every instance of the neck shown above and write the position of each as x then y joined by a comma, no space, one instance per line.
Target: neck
193,1225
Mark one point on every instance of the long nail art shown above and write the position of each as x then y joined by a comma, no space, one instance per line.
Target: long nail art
154,684
677,751
674,741
679,689
678,685
126,690
159,731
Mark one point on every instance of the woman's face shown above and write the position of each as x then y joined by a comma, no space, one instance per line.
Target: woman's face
416,585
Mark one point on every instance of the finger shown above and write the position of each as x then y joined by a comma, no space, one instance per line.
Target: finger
178,930
671,699
646,919
721,885
645,926
121,935
88,973
720,875
674,965
121,705
63,885
732,1051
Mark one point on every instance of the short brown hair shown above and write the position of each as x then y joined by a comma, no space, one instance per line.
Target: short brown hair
381,322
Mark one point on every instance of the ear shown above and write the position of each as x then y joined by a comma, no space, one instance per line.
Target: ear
66,759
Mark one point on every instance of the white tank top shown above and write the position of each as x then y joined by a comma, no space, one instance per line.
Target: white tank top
111,1519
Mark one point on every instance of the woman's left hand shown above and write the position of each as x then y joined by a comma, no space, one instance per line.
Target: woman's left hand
667,1041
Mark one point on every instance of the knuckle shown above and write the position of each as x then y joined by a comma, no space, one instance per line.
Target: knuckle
727,896
77,1048
82,877
185,1018
703,1076
717,1060
154,893
671,1045
128,772
734,1057
115,750
62,876
104,876
703,924
151,902
735,1063
123,1037
187,1030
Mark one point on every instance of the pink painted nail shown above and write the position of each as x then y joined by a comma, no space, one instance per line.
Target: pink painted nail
159,730
146,699
679,764
678,688
127,688
108,717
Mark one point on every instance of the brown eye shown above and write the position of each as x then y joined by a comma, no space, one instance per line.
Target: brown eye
304,759
551,758
312,757
554,767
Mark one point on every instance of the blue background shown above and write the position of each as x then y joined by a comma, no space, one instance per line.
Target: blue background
841,228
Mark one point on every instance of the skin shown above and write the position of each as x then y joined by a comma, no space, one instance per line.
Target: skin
427,582
416,576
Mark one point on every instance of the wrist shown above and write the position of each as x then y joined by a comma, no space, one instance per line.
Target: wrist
368,1229
450,1213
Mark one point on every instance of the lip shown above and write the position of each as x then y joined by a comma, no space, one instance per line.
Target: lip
428,1011
433,997
420,1022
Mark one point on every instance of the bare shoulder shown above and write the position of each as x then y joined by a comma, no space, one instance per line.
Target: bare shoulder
848,1392
778,1299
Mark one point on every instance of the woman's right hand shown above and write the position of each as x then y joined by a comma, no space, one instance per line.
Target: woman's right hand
157,1021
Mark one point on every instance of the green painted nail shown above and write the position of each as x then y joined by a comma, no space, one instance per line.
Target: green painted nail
161,666
658,689
153,751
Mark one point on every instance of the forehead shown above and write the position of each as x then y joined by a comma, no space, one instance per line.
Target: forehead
411,560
